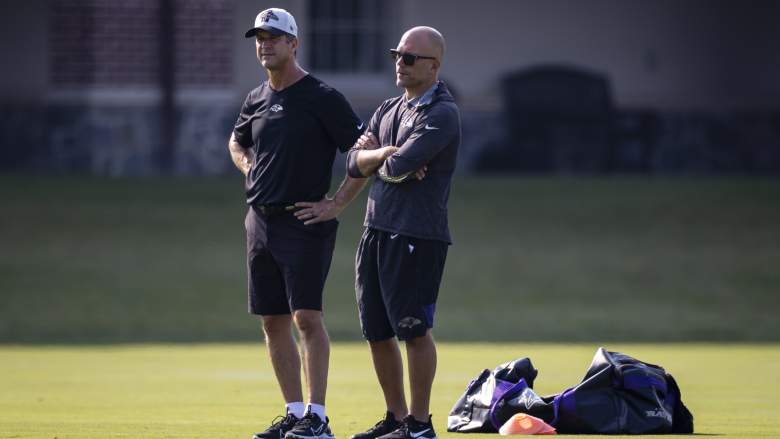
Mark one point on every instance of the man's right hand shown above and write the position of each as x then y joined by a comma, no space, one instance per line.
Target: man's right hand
367,141
242,157
248,160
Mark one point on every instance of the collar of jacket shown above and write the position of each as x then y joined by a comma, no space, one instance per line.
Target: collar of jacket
437,92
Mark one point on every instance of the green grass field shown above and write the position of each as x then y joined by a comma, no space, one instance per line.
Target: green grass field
90,260
86,263
228,390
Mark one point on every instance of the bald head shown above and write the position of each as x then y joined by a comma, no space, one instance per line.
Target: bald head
426,46
426,38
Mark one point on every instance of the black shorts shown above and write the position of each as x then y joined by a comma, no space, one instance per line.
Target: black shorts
397,284
287,262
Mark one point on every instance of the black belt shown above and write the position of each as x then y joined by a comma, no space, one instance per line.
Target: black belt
274,209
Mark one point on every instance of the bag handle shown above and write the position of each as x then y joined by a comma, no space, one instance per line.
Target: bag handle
517,387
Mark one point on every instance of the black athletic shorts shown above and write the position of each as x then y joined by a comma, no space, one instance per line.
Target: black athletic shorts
287,262
397,283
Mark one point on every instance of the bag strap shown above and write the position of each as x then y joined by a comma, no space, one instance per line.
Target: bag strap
517,387
566,399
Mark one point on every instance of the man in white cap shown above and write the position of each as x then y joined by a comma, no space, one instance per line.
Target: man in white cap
284,142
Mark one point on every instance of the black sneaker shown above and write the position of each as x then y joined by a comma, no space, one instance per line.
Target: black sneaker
310,426
278,428
383,427
412,429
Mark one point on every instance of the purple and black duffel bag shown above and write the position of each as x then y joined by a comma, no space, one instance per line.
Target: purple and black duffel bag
619,395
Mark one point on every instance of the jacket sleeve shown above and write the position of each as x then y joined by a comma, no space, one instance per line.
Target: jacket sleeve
373,128
352,167
432,134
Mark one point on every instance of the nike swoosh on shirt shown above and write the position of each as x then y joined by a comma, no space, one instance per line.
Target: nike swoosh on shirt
394,235
360,127
428,127
419,433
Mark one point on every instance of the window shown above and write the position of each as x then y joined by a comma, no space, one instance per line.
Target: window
348,35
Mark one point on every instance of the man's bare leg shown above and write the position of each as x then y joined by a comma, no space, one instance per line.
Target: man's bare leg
315,347
390,373
284,355
421,353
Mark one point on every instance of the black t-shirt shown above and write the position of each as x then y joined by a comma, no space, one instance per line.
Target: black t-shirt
294,134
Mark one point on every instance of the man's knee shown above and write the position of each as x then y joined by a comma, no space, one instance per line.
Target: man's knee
384,344
276,325
421,340
308,321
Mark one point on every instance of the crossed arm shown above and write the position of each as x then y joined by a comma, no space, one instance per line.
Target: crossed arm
370,158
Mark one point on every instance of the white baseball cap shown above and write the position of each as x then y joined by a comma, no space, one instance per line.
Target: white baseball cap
276,21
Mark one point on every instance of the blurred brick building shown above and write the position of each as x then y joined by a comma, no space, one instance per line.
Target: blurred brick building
149,86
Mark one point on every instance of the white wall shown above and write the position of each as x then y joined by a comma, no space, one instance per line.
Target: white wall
669,54
666,54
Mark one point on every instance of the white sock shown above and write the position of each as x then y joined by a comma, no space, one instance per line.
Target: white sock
317,409
295,408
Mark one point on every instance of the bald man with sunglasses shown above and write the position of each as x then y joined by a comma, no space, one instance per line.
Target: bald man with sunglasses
411,146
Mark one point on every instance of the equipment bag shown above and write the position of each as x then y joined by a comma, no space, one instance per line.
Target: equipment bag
472,412
619,395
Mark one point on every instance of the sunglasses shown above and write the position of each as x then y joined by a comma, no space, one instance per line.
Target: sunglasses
408,58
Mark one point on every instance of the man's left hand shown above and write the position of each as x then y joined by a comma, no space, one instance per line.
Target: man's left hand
420,174
317,212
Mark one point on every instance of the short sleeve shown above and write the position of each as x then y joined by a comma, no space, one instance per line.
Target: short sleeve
242,130
339,119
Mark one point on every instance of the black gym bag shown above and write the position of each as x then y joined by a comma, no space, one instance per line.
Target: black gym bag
619,395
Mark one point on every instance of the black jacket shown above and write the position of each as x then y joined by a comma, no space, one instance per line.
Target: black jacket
427,135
